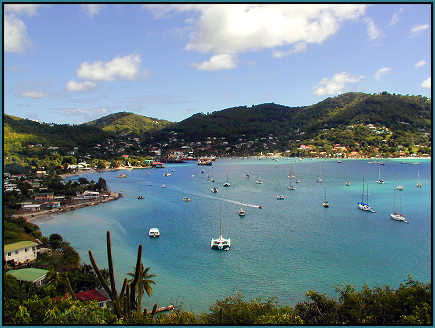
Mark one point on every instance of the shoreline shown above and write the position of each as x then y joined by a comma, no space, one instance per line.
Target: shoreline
81,172
67,208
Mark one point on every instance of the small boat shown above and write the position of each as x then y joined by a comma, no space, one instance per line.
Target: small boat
247,176
399,187
260,207
419,184
397,216
154,233
298,181
167,174
242,212
339,161
122,175
258,181
291,187
280,197
227,184
380,180
163,186
319,180
140,197
202,171
213,189
347,183
325,202
220,243
193,175
186,199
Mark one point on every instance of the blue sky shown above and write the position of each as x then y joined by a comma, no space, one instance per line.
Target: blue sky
74,63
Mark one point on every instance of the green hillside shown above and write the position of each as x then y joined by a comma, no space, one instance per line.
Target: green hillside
128,123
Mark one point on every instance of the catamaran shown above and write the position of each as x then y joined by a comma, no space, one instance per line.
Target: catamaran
220,243
364,206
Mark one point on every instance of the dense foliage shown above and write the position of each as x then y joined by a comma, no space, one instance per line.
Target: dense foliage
410,304
129,123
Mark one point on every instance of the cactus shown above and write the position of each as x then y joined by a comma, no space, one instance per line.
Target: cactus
68,285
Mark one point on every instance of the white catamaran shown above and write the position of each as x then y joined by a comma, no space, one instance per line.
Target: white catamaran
220,243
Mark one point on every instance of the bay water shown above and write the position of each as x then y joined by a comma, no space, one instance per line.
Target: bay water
282,250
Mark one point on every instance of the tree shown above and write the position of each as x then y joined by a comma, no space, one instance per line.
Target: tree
55,241
143,284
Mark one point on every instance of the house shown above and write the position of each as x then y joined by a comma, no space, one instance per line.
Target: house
33,275
31,207
40,174
90,194
44,196
20,252
94,295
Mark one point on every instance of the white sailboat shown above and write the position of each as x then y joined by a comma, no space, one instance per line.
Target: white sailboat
220,243
419,184
364,205
325,202
380,180
319,179
347,183
397,216
227,184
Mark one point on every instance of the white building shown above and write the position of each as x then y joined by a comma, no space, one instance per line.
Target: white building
20,252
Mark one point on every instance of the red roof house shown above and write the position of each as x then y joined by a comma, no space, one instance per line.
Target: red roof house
93,295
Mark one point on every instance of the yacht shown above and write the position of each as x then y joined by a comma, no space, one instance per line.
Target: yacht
186,199
220,243
398,217
399,187
325,202
163,186
363,205
380,180
213,189
258,181
154,233
140,197
280,197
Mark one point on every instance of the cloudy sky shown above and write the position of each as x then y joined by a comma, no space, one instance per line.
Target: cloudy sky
74,63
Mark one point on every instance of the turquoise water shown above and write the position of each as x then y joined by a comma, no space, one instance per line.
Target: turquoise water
282,250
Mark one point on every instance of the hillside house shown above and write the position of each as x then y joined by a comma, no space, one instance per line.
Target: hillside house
20,252
33,275
44,196
96,295
31,207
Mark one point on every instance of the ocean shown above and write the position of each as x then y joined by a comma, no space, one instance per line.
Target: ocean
286,248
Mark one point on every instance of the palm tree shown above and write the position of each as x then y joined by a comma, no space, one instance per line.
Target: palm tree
143,284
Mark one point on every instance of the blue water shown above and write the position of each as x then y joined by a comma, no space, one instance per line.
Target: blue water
282,250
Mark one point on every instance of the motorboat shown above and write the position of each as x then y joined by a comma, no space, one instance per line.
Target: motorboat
163,186
242,212
140,197
186,199
213,189
154,233
398,217
280,197
258,182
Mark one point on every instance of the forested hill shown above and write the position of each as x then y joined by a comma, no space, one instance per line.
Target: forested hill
399,113
128,123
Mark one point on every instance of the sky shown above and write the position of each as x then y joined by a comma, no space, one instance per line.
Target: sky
72,63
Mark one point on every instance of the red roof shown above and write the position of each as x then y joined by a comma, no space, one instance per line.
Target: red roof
157,163
92,295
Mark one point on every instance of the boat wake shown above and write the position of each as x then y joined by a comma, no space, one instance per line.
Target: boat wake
216,198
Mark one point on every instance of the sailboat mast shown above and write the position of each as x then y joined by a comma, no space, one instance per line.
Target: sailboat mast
367,200
362,193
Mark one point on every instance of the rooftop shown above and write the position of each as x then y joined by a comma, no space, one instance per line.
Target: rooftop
28,274
19,245
92,295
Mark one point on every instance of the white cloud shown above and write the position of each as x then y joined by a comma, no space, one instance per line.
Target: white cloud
234,28
381,72
336,84
80,86
372,30
33,94
87,114
298,47
217,62
396,17
125,67
92,9
28,9
420,64
418,28
15,34
427,83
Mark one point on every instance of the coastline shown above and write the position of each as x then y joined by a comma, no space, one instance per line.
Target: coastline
67,208
80,172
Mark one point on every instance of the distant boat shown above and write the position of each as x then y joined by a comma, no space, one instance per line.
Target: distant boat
220,243
347,183
291,174
399,187
364,205
213,189
419,185
154,233
325,202
140,197
186,199
242,212
339,161
163,186
380,180
298,181
397,216
167,174
122,175
280,197
247,176
227,184
258,181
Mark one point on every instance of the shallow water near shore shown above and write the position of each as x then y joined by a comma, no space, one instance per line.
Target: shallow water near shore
282,250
